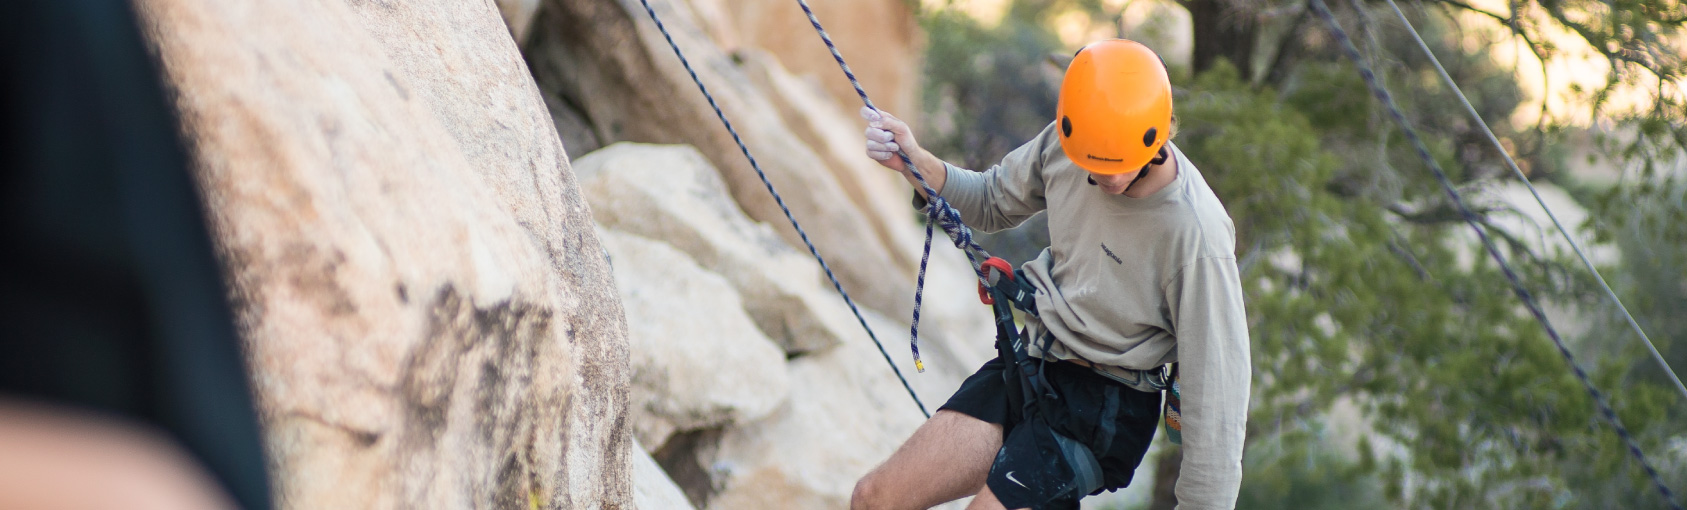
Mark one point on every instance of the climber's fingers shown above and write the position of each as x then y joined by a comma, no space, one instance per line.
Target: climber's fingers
887,147
886,135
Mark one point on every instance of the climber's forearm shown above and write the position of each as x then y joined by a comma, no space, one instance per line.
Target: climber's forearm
930,167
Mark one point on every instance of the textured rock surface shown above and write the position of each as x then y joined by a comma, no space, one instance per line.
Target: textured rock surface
610,77
881,195
846,410
672,194
518,16
652,489
952,314
697,360
847,413
429,316
880,38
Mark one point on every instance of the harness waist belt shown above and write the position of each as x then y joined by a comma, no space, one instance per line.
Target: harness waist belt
1147,381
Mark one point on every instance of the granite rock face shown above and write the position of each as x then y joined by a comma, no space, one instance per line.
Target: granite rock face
652,489
698,360
880,39
609,76
671,193
428,315
824,417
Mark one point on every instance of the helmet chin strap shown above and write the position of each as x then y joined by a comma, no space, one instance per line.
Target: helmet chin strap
1158,159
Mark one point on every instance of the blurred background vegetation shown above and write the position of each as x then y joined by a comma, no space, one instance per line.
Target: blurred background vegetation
1393,366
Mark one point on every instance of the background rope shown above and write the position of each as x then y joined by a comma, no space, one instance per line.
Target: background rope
1668,371
1382,95
781,201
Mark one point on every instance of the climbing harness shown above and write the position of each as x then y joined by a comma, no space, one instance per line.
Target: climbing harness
1382,95
1061,467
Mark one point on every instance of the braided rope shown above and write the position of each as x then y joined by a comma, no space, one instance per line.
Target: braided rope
938,210
1382,95
781,201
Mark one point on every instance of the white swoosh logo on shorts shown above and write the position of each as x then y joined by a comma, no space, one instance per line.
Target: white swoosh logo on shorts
1014,480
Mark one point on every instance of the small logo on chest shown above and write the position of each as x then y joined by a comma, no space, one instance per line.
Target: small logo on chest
1110,254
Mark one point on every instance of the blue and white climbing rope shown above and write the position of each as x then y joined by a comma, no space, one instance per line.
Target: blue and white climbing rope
1382,95
938,211
781,201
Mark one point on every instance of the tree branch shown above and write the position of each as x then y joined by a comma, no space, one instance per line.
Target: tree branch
1516,29
1288,48
1625,52
1471,8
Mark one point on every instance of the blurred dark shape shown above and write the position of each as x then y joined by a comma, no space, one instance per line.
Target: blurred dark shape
110,297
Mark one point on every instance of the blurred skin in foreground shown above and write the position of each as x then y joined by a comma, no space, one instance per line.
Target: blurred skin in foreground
55,458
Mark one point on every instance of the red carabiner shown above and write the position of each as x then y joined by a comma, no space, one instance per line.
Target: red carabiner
1000,265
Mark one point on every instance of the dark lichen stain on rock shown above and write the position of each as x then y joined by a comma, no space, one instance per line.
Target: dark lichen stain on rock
315,277
681,458
493,348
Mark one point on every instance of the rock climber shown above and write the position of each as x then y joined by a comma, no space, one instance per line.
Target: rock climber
1140,273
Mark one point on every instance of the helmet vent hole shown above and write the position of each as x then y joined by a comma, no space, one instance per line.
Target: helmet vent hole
1066,126
1148,138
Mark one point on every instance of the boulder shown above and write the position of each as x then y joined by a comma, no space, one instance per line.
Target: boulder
609,76
429,319
879,38
847,413
881,195
613,78
671,193
518,16
697,360
652,488
952,316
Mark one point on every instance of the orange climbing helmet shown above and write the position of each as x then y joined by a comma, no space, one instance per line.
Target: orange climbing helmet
1115,109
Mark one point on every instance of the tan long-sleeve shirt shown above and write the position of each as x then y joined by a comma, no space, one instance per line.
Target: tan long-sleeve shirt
1135,283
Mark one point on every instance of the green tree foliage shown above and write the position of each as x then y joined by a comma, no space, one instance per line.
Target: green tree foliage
1302,471
1363,285
968,86
1349,297
1646,220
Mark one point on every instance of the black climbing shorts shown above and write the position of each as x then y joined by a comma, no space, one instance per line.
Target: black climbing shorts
1115,421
